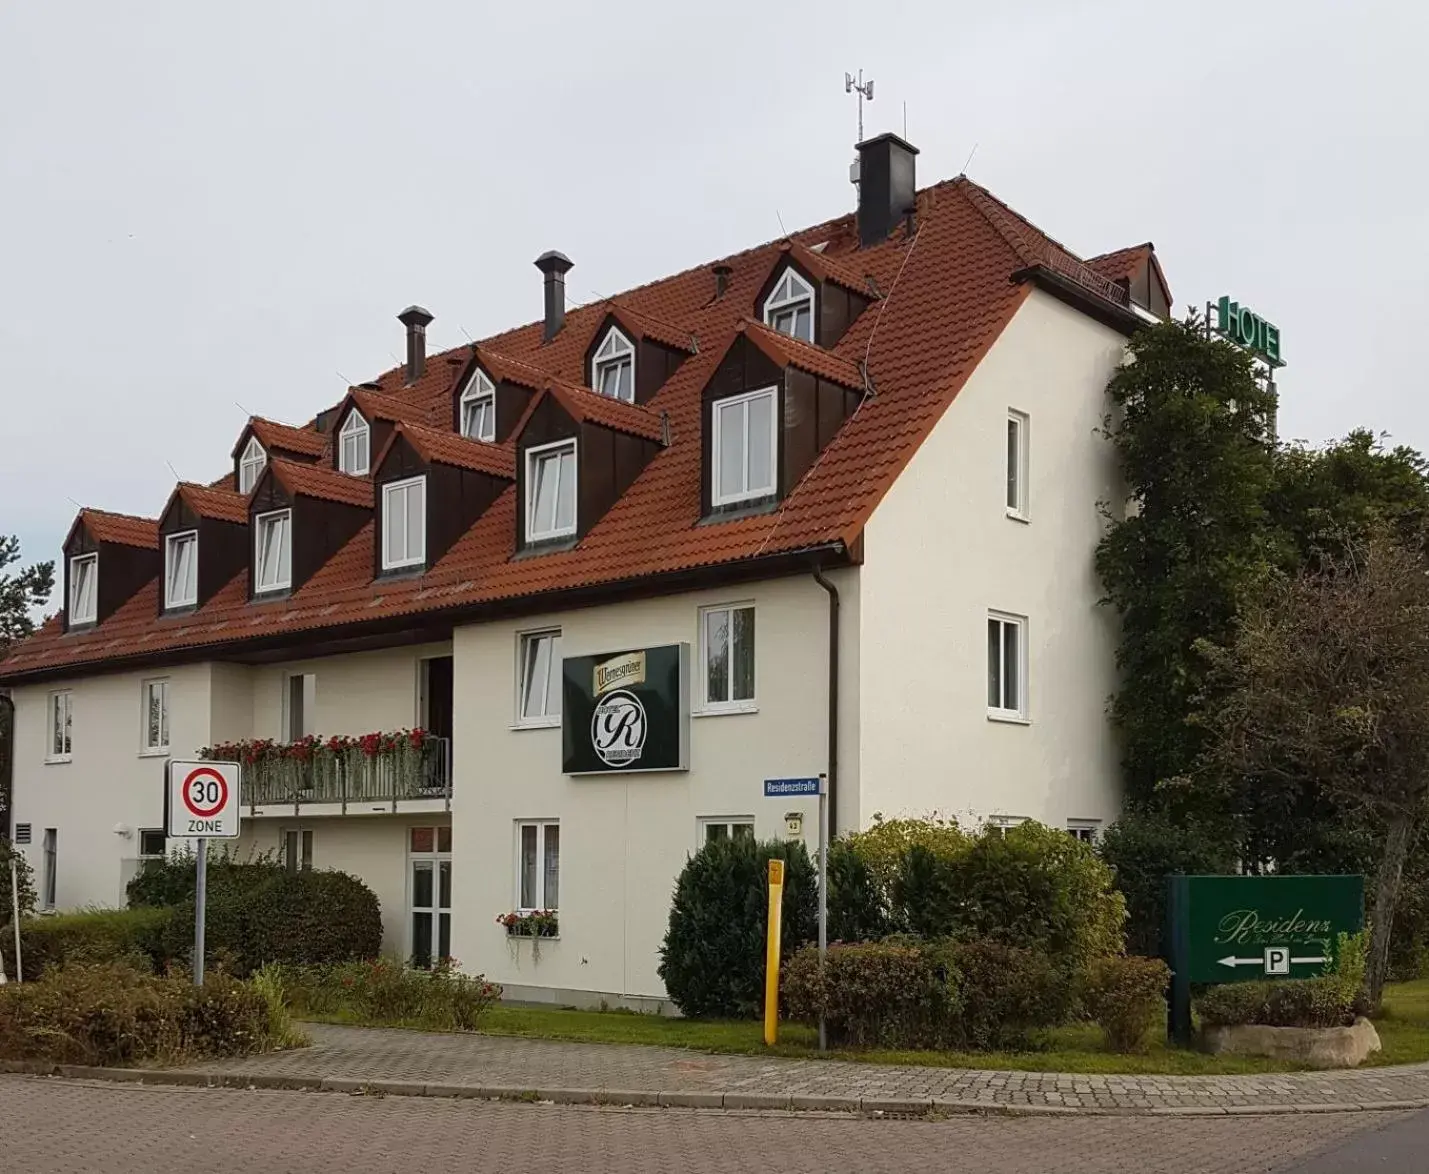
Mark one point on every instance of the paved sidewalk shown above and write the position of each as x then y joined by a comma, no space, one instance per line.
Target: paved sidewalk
421,1063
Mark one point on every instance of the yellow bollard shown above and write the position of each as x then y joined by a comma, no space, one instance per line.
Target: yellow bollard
771,957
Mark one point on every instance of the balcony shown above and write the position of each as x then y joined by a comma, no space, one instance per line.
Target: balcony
407,770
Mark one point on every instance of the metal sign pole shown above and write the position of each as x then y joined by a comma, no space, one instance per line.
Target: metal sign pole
823,894
200,908
15,914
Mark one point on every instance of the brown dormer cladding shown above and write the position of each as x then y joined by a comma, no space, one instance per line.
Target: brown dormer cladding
840,293
516,385
614,443
816,392
221,519
128,550
382,413
328,510
464,477
659,348
1137,270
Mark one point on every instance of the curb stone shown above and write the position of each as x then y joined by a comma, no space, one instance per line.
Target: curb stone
647,1098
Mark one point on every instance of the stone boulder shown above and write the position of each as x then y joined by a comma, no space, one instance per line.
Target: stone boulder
1314,1047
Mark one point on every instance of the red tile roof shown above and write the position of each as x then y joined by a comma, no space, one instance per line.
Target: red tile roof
447,448
124,529
376,406
826,269
948,291
795,352
590,406
644,326
1127,264
277,437
321,482
207,502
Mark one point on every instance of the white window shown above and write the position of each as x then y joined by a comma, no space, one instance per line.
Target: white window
429,895
721,827
790,308
743,447
153,843
727,654
1000,825
83,589
478,408
354,445
49,880
538,865
298,849
539,703
250,465
613,370
1017,438
1007,666
156,717
59,744
181,569
551,490
273,551
1086,830
404,523
300,696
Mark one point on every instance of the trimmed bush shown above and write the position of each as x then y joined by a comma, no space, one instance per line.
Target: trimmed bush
172,880
1142,851
857,909
387,993
924,896
712,960
1333,1000
1126,998
886,842
1007,993
132,936
118,1014
878,994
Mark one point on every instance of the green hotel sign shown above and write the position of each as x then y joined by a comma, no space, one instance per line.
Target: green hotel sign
1242,326
1236,928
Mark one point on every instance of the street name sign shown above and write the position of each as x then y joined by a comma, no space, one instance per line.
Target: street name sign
203,800
777,788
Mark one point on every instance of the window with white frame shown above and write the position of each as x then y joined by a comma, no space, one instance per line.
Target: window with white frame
153,843
404,523
551,490
1006,666
539,702
354,445
273,551
181,569
298,849
790,308
1086,830
613,368
156,717
429,894
300,697
49,880
721,827
83,589
478,408
743,447
251,465
1000,825
60,724
727,656
538,865
1017,440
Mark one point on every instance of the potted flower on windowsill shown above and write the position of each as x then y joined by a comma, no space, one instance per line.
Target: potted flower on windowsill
530,923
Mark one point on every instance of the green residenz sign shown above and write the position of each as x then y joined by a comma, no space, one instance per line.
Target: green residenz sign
1237,928
1242,326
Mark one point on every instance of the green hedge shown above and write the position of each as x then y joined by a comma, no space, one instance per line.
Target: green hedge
1126,998
133,936
1333,1000
1007,994
712,960
172,881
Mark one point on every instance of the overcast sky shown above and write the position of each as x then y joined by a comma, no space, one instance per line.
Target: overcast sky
210,205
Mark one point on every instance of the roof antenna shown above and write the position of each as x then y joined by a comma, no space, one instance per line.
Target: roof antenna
173,470
905,121
242,409
864,89
970,158
346,382
783,232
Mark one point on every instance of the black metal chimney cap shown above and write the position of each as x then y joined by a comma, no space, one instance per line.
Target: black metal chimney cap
416,316
552,262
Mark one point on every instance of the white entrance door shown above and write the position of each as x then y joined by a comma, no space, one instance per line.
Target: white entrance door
429,895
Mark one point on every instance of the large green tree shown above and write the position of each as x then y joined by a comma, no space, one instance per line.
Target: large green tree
20,593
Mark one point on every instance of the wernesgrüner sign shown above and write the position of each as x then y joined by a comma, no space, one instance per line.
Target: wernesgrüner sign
626,711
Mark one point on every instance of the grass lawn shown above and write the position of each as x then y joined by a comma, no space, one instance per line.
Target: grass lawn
1403,1028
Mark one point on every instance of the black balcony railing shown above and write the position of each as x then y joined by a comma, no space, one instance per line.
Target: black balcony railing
350,777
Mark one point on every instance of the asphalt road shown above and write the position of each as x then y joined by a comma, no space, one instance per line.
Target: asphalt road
53,1126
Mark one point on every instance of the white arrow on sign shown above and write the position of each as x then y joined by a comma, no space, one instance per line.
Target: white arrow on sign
1307,961
1232,961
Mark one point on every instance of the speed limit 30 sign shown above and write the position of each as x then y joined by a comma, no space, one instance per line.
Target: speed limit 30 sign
203,800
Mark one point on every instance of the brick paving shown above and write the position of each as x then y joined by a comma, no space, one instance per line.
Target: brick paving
76,1127
566,1071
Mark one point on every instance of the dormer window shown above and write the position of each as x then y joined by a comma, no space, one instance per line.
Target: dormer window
790,308
354,453
478,408
745,440
273,551
83,589
250,466
551,491
181,569
613,369
404,523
